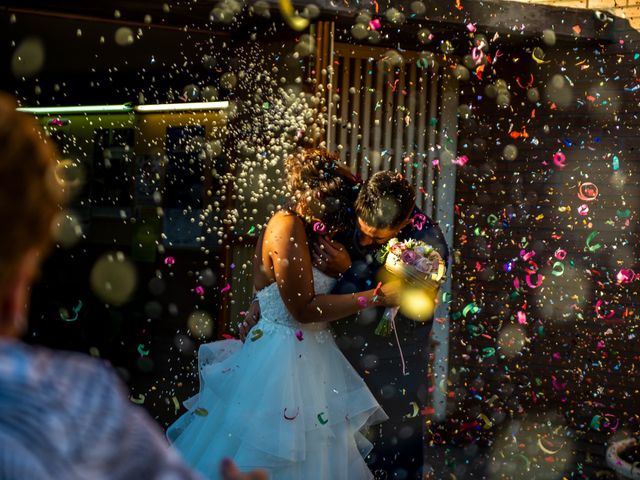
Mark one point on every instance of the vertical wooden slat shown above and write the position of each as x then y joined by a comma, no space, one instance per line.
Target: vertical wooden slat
433,113
344,106
330,54
410,113
398,147
378,111
387,119
366,119
355,113
319,53
422,115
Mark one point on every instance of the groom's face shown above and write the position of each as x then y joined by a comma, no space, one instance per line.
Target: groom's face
369,236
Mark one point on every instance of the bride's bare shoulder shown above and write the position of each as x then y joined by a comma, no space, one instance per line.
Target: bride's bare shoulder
284,220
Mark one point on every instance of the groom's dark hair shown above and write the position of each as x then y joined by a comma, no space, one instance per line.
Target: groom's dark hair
385,200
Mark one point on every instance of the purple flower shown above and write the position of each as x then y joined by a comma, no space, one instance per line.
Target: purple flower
424,265
409,256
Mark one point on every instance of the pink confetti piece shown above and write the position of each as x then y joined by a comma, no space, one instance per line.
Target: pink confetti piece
299,335
319,227
169,261
374,24
625,275
418,221
527,255
531,284
560,254
559,159
461,160
522,318
226,288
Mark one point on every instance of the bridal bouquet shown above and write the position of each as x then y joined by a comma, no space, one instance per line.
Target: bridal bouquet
414,262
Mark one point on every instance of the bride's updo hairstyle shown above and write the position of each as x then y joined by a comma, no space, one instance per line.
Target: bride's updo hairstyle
322,191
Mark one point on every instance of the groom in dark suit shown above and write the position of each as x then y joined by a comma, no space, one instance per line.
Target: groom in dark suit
385,209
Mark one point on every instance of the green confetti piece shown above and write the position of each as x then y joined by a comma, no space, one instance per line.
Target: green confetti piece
527,462
251,230
139,400
623,213
592,248
488,352
142,351
492,220
595,422
321,418
256,334
557,269
471,308
475,330
201,412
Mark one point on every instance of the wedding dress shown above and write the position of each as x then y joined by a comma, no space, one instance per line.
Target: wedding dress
286,401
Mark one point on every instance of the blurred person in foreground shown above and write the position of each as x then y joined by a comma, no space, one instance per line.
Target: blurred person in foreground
62,415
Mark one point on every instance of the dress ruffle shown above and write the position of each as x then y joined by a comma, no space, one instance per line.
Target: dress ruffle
292,406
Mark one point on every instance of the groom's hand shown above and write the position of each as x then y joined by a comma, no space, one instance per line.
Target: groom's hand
330,257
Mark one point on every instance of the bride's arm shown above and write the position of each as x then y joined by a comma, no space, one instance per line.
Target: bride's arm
285,242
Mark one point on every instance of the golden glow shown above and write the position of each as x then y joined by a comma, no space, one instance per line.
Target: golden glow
417,304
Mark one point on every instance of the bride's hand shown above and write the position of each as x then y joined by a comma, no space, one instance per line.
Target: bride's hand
330,257
389,293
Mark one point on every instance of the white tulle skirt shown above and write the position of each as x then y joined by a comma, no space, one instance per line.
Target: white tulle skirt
287,401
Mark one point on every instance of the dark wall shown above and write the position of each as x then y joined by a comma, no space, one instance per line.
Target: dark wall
556,361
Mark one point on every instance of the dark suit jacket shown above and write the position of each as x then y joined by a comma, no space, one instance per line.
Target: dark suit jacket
358,333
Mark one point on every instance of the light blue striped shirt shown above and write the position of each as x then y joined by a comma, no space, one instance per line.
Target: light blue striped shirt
67,416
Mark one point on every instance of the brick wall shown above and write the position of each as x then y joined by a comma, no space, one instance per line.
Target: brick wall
629,9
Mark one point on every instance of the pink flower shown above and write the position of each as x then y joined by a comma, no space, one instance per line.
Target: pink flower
409,257
397,249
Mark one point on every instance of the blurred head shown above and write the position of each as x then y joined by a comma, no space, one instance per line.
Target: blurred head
383,208
323,192
30,197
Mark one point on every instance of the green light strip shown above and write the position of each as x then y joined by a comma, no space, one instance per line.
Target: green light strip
126,108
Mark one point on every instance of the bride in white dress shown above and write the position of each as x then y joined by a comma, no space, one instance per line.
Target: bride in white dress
287,401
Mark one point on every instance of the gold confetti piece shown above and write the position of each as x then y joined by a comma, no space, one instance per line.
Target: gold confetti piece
415,411
296,22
